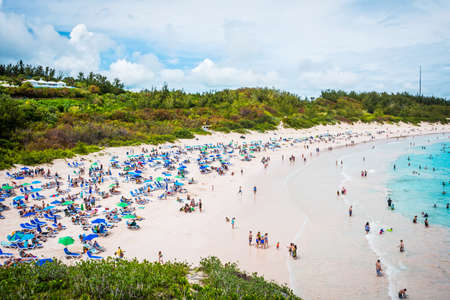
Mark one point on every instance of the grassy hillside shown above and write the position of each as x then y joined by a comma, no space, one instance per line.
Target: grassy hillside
40,124
122,279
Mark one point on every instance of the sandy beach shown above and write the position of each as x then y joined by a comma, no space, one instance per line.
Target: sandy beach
295,202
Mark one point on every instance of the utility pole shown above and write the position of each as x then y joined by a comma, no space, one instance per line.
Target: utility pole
420,80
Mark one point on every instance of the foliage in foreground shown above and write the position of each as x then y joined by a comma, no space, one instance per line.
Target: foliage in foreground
122,279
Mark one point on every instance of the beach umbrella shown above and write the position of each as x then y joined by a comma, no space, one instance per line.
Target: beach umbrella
42,261
18,197
178,183
148,180
25,168
27,236
94,164
122,204
167,174
36,190
54,195
7,187
1,199
36,182
128,217
49,207
90,237
98,221
25,184
55,202
67,203
159,179
20,177
29,214
66,241
138,171
112,185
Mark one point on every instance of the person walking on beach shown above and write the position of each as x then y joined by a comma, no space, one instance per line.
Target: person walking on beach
254,189
119,253
378,268
426,222
200,205
350,211
367,228
240,190
250,238
160,257
233,221
415,220
402,246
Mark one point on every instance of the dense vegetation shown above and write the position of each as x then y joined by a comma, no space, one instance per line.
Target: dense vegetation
38,124
122,279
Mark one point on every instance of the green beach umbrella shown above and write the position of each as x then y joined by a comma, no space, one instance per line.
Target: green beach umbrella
7,187
159,179
67,203
180,177
66,241
122,204
25,184
112,185
128,217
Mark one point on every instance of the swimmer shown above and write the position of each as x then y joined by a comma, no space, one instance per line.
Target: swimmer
402,294
367,228
415,220
426,222
350,211
402,246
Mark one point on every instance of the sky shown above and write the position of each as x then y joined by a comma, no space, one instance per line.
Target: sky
298,46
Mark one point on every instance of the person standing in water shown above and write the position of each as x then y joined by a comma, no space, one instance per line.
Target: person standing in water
367,228
378,268
250,238
233,221
402,246
350,211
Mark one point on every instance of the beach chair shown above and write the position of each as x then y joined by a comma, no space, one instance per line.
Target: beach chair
28,247
22,190
40,196
36,222
91,256
33,196
25,226
4,254
7,173
71,254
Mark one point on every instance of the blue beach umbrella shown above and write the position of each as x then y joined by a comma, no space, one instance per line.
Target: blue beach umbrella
49,207
19,197
1,199
90,237
20,177
36,190
178,183
25,168
98,221
55,202
42,261
29,214
27,236
36,182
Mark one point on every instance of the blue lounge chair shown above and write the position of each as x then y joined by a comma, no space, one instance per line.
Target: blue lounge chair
33,196
36,220
4,254
26,226
71,254
91,256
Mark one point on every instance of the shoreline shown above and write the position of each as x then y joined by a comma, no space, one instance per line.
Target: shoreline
192,236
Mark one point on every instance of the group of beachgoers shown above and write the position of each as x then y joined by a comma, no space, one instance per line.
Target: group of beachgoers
261,241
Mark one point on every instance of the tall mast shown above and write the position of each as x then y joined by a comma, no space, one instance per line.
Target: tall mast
420,80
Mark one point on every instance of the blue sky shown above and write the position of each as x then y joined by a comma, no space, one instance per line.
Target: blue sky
299,46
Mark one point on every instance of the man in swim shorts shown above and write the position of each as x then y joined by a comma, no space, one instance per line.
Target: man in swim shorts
378,268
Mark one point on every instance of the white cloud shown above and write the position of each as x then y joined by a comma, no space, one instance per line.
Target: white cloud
132,74
302,46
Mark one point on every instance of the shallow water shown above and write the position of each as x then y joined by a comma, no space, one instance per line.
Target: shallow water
337,258
416,183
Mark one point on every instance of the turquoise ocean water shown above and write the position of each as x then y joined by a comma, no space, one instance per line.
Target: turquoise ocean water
416,187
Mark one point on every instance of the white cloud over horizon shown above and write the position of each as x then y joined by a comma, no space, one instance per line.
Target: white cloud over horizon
299,46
